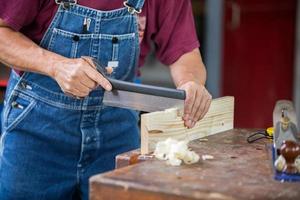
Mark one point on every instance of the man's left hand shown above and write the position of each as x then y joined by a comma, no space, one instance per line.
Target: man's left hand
197,102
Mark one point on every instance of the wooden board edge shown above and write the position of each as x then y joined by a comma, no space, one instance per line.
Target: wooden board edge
144,136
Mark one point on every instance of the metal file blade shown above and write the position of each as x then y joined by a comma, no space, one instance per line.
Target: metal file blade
147,98
141,102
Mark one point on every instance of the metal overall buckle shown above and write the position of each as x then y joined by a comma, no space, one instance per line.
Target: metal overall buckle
66,4
131,9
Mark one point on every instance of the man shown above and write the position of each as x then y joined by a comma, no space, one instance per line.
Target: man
56,131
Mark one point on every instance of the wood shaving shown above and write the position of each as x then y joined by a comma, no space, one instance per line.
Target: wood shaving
297,163
174,152
280,163
207,157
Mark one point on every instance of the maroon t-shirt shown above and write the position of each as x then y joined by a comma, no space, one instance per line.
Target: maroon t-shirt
168,23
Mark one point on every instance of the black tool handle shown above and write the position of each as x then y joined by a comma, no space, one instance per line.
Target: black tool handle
147,89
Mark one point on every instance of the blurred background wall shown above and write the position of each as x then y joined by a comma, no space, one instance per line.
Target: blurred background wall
251,51
297,67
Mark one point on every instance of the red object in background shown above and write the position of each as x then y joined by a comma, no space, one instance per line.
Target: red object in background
4,76
3,83
259,40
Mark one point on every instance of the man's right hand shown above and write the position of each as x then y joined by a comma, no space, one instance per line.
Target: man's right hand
78,77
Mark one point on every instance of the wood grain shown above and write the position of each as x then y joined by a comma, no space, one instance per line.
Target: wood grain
158,126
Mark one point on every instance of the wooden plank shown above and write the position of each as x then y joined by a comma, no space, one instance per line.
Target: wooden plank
238,171
158,126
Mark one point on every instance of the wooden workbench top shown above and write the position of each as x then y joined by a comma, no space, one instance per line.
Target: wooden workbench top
239,171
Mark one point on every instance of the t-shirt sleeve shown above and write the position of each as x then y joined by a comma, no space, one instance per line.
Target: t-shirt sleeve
19,13
176,33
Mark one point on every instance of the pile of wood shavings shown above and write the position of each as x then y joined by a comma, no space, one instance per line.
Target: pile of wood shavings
174,152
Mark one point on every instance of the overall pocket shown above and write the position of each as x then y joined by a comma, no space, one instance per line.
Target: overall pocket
119,52
16,110
71,45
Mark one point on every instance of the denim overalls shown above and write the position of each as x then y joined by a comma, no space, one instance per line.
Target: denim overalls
52,143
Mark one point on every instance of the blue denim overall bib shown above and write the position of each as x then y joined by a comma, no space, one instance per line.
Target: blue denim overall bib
52,143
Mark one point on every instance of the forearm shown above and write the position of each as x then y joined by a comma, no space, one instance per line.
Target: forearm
189,74
19,52
189,67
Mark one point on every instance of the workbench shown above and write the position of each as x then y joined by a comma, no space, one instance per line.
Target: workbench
238,171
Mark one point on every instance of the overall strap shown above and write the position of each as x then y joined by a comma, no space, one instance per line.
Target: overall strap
66,3
134,6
